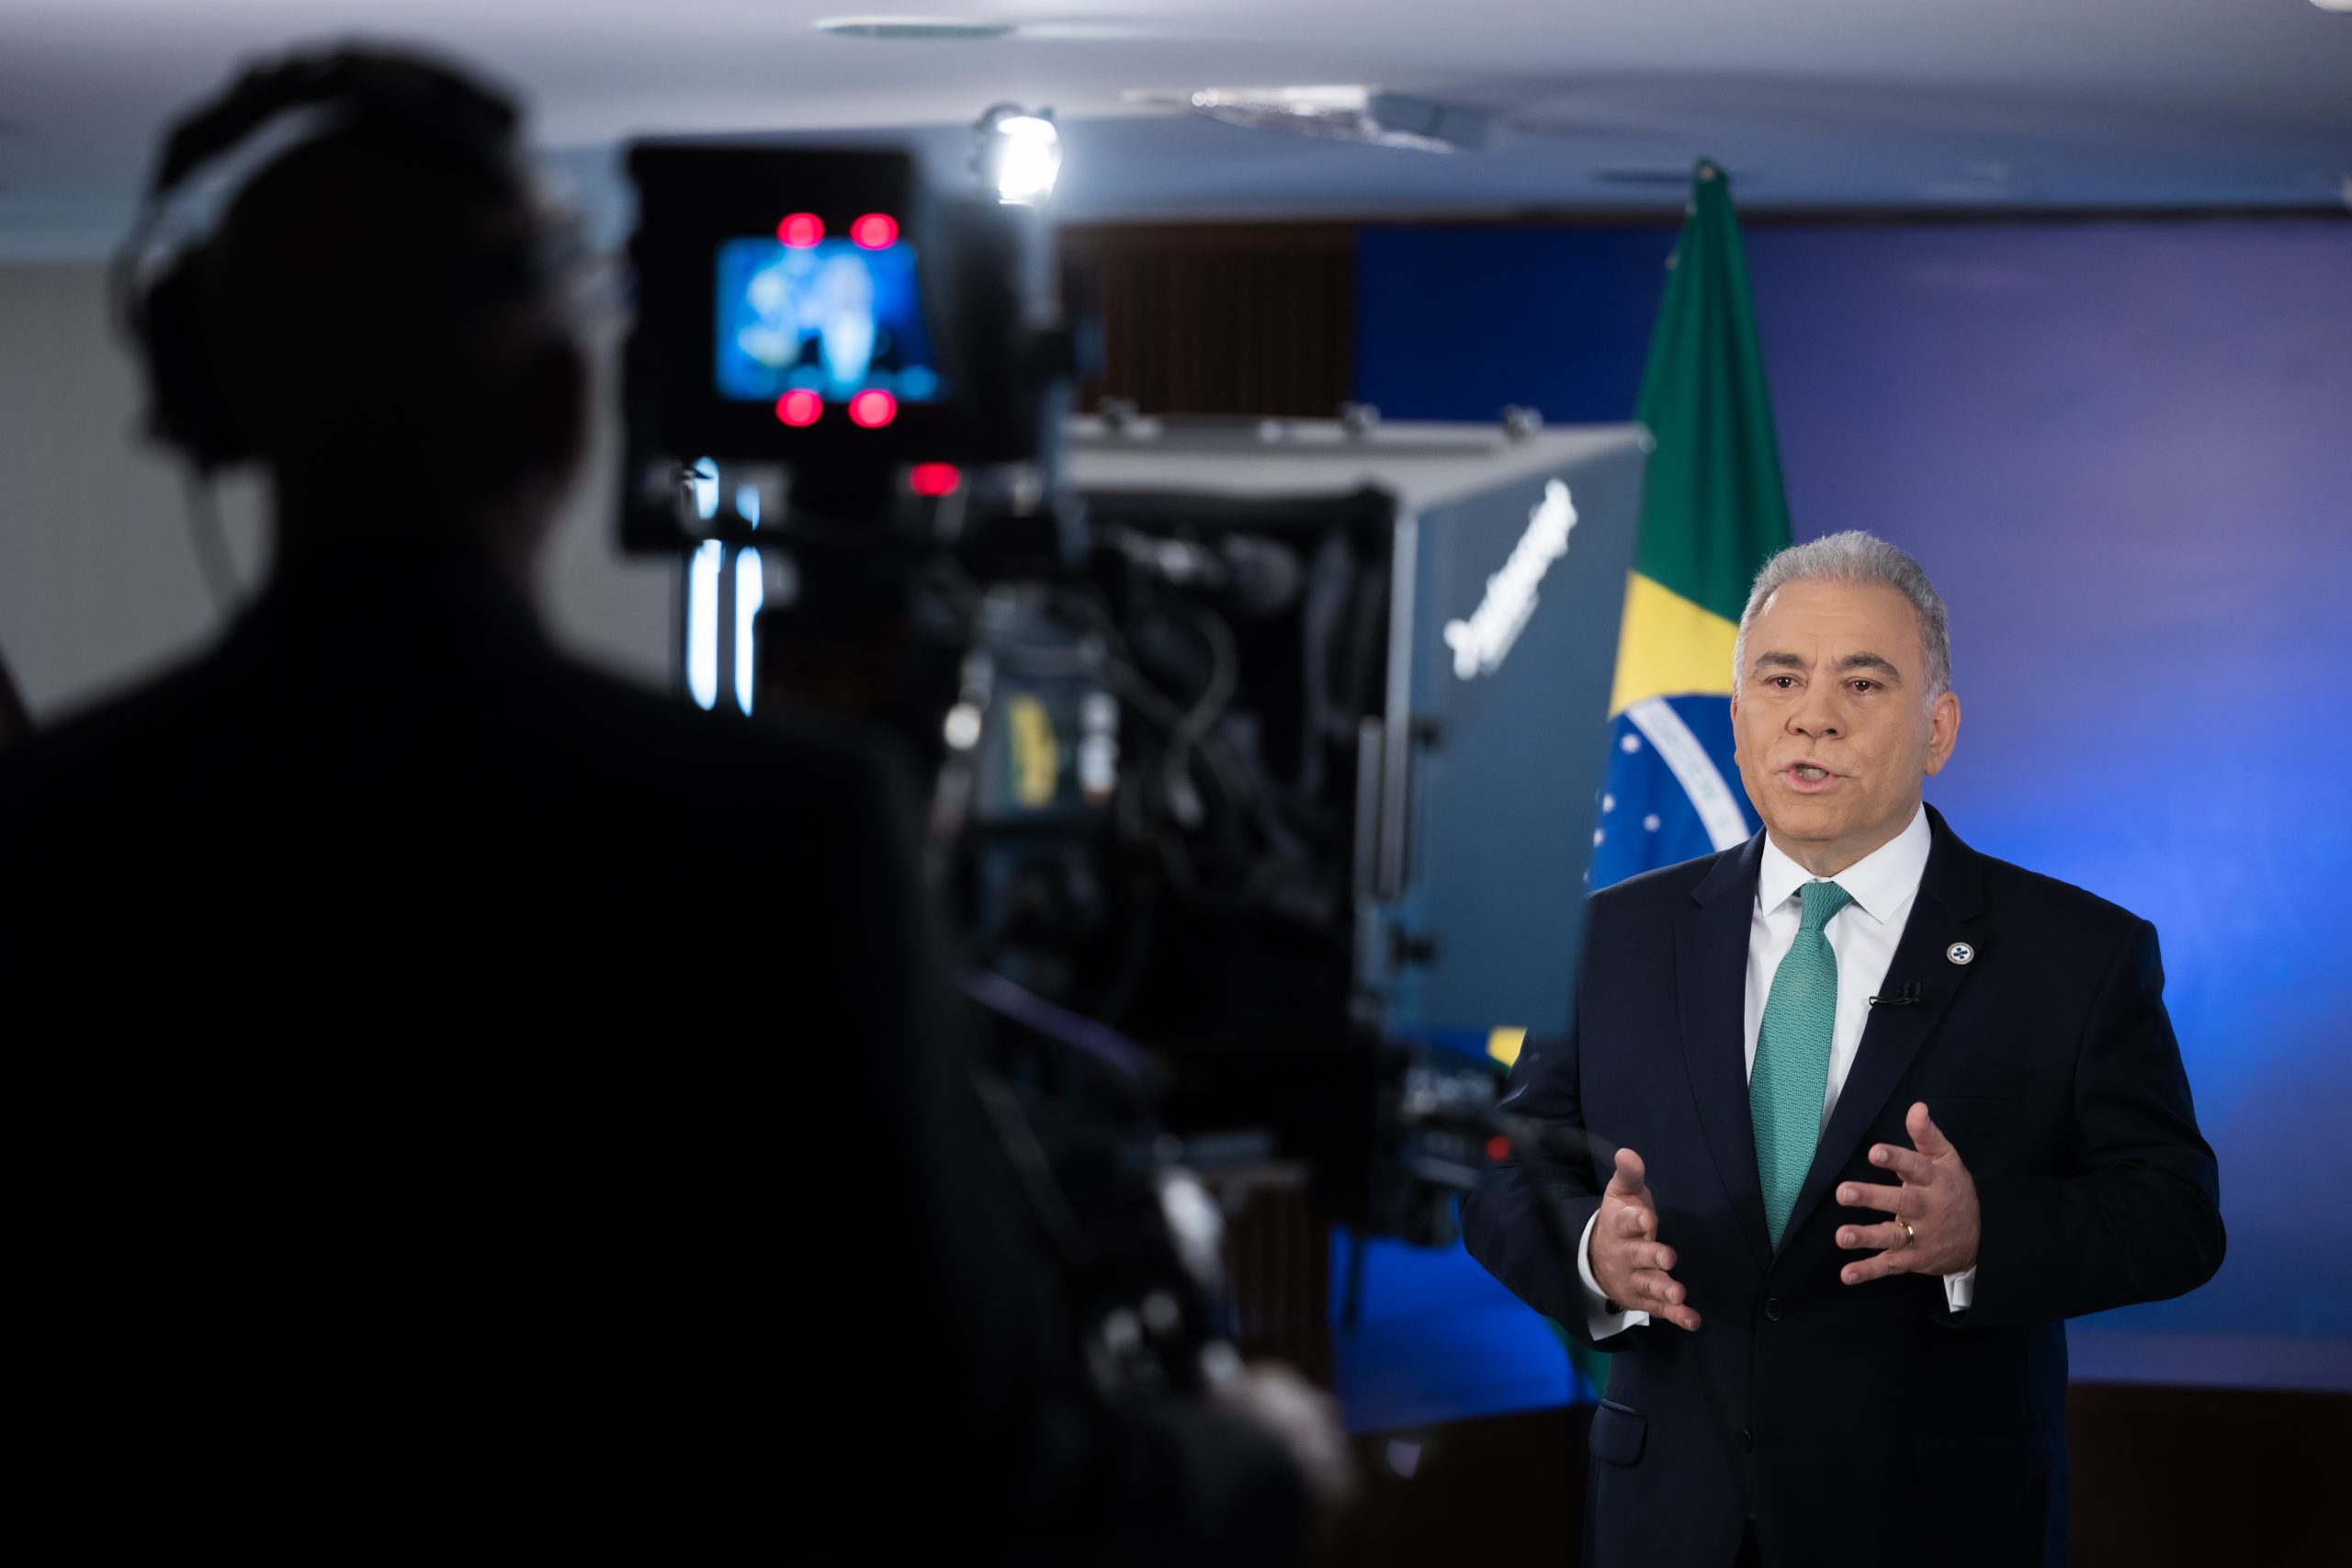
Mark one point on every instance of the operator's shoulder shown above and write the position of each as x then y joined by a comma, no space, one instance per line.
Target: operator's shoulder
102,749
2015,892
182,695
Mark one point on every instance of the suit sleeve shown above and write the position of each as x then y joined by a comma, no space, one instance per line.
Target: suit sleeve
2137,1217
1524,1222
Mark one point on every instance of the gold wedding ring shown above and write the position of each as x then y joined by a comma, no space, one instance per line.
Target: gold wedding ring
1910,1236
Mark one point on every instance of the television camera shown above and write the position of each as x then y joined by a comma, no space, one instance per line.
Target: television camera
1173,685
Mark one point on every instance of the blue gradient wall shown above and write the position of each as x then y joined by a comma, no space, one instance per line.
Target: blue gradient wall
2124,452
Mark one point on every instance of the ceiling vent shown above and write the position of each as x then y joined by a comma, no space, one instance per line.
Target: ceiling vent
1368,115
907,30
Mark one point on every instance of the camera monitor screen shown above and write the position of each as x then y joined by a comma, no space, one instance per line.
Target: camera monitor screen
825,315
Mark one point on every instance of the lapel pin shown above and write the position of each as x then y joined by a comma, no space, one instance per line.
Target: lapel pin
1960,952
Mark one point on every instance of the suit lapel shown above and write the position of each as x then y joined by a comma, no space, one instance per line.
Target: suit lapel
1710,969
1950,908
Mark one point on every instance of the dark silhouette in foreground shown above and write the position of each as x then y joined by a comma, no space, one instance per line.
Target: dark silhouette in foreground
462,1105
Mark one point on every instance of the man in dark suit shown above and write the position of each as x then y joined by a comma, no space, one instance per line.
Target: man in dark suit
459,1106
1869,1115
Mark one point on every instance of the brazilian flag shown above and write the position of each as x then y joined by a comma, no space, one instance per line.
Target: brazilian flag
1713,511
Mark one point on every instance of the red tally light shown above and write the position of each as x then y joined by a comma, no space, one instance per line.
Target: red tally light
801,231
1499,1147
873,408
875,232
934,479
798,407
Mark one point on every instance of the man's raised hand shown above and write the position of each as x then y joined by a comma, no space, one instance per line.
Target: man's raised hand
1628,1263
1936,1225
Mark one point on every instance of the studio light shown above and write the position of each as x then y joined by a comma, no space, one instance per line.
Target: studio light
1019,154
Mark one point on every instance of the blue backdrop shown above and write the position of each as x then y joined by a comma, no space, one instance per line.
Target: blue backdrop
2124,452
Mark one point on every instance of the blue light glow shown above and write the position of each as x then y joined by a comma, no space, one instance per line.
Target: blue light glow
750,589
702,625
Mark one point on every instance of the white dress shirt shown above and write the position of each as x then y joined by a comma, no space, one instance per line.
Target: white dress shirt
1883,884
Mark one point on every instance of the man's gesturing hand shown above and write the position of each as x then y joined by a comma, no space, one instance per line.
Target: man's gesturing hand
1628,1263
1936,1197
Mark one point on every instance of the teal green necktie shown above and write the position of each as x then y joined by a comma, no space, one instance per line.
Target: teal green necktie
1791,1078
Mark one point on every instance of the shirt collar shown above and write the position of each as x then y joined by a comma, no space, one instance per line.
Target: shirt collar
1879,883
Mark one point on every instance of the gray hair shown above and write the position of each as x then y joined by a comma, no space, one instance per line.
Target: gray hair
1855,559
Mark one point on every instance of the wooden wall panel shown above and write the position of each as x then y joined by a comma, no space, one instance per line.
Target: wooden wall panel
1218,319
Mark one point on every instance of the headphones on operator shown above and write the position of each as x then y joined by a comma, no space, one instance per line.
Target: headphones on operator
162,305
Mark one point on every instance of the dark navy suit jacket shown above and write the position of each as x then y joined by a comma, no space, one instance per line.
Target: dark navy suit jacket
1859,1424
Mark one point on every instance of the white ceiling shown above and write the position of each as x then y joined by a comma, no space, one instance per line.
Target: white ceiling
1811,103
